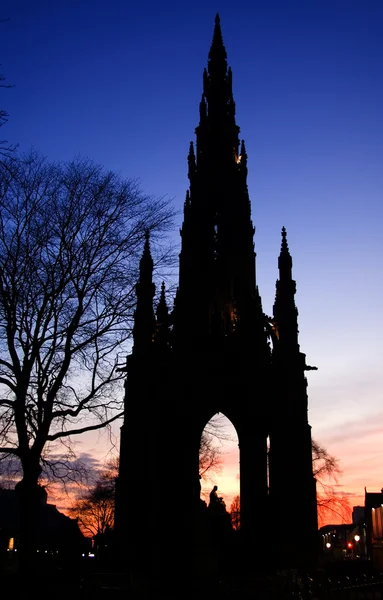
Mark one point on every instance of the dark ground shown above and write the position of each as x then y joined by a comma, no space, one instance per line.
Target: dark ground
86,579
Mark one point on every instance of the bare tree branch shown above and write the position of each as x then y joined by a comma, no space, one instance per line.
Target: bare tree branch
327,472
212,442
94,508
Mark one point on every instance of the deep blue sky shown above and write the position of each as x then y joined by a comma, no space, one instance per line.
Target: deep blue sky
120,82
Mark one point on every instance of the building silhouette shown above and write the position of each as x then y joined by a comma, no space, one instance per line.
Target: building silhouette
57,533
373,518
215,350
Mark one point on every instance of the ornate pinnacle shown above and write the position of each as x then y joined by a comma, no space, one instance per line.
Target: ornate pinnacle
191,156
285,261
143,316
162,314
191,160
162,309
146,261
284,244
217,54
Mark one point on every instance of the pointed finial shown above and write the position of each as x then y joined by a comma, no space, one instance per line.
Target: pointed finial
285,262
284,245
145,289
191,150
162,309
217,36
217,54
146,258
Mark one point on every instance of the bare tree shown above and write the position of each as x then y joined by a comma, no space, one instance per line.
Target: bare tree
235,513
210,456
212,442
71,236
327,472
94,509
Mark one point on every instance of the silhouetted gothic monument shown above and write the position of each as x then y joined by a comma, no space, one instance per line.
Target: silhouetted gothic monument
216,351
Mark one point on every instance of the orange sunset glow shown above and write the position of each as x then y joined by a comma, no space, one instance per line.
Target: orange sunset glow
357,447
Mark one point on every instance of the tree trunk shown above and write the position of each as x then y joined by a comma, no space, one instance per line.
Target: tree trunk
31,497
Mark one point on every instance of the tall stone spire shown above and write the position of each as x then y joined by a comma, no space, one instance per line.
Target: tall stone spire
217,295
217,98
162,337
285,262
217,55
144,321
285,312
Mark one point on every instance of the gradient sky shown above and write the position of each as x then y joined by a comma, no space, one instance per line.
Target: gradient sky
120,82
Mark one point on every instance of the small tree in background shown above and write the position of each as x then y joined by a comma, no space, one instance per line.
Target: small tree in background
211,447
327,471
94,509
235,513
210,456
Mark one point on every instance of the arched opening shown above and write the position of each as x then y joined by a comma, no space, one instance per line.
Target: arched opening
219,464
